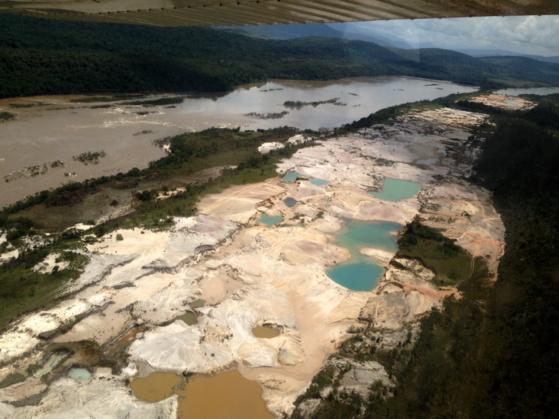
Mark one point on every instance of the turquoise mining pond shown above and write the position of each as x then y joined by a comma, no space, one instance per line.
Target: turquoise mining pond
319,182
360,273
291,176
270,220
397,190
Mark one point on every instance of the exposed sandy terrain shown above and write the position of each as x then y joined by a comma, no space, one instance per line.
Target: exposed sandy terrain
505,102
248,274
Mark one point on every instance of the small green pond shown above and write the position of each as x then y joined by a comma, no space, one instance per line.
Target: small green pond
319,182
79,374
290,202
397,190
360,273
291,176
270,220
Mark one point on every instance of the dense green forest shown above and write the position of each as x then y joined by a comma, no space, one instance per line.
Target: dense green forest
39,56
519,360
494,353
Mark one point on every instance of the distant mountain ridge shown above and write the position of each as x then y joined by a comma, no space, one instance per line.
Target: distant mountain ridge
480,52
323,30
350,31
39,56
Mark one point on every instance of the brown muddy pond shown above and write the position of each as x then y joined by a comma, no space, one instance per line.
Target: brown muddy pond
190,317
227,395
157,386
38,147
266,332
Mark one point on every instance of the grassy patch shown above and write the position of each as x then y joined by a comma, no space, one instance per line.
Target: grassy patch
6,116
320,381
12,379
23,290
156,214
450,262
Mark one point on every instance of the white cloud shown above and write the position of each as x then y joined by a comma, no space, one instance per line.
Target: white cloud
522,34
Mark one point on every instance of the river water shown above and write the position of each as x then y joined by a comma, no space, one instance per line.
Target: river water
52,128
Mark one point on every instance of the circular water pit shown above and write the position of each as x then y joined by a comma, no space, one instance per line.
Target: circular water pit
266,331
290,202
219,396
79,374
270,220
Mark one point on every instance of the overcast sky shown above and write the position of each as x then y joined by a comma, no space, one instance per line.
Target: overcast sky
521,34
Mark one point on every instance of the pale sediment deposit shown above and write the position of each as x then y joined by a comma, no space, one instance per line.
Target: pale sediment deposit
266,148
505,102
238,274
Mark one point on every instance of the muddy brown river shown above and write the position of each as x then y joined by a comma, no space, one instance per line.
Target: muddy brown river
38,147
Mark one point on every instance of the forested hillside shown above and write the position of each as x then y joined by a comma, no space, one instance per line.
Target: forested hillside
40,56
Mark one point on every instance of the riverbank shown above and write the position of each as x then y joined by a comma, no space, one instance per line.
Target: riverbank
44,139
